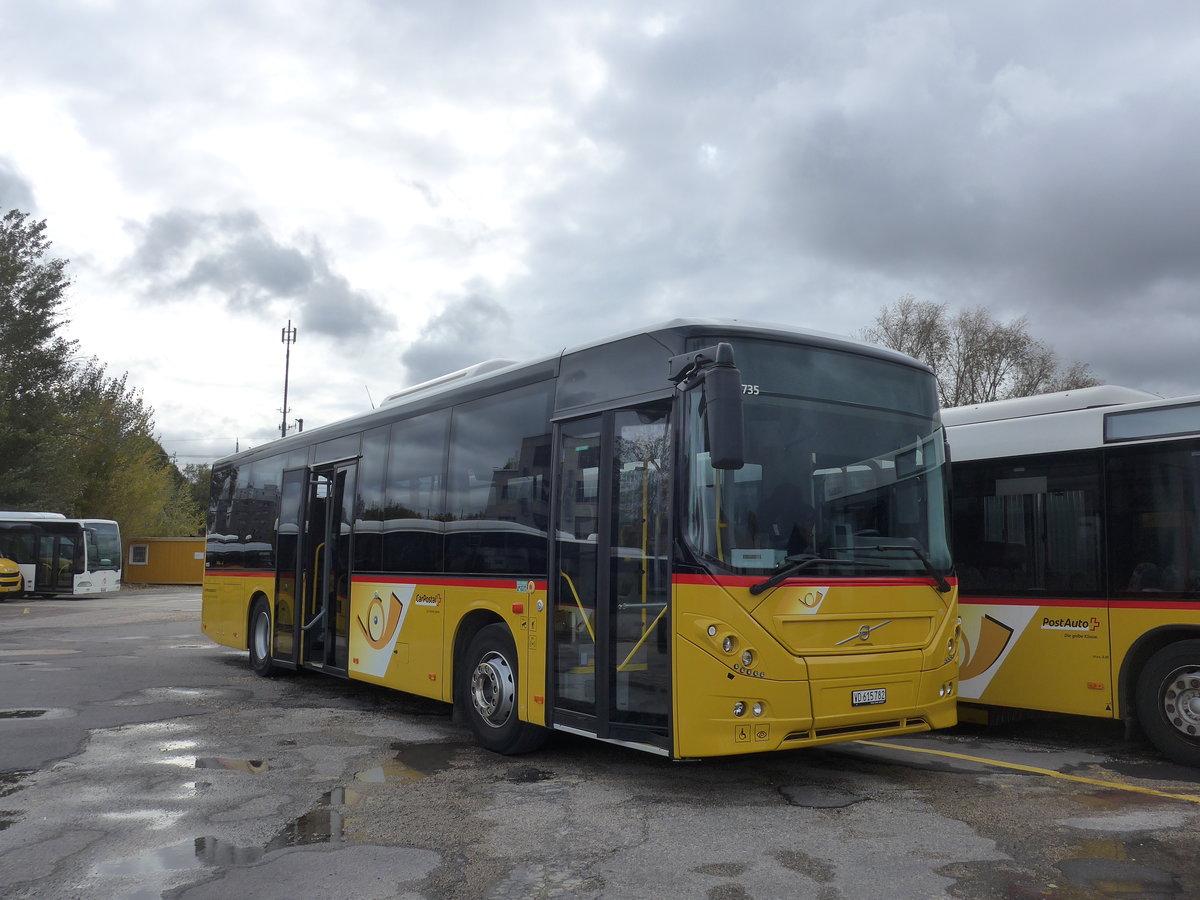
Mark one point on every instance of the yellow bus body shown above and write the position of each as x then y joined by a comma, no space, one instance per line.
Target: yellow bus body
11,581
1066,656
402,636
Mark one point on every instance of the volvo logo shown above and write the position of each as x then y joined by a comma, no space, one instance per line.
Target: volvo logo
863,634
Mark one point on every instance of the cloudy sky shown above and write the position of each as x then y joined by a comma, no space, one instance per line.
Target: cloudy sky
418,186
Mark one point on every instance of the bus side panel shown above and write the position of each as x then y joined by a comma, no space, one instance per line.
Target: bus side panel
402,635
1053,657
225,606
1133,619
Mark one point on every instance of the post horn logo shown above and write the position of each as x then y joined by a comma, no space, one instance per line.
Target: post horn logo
380,626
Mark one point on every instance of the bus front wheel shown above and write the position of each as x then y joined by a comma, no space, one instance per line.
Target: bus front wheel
260,637
488,687
1168,701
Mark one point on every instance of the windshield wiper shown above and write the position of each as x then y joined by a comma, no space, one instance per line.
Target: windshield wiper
915,549
793,564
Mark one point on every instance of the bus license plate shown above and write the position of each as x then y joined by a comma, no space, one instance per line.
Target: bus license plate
873,697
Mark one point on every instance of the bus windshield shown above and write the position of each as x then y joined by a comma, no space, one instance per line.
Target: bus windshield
841,478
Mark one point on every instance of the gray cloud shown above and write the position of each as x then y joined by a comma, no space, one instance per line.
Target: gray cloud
811,164
15,191
470,328
233,256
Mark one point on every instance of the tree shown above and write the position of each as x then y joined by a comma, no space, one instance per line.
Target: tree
199,479
976,358
72,438
118,469
35,360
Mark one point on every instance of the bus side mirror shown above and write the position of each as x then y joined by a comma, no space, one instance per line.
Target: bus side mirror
714,369
723,401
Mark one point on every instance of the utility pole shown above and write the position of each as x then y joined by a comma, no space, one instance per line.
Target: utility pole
289,338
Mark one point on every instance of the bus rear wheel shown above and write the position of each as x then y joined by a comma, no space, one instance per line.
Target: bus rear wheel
1168,701
260,638
488,688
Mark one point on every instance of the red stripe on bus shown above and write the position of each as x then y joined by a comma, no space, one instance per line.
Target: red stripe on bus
448,581
1076,603
741,581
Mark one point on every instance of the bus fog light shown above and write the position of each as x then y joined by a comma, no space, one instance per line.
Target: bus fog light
758,709
712,630
739,709
729,643
748,658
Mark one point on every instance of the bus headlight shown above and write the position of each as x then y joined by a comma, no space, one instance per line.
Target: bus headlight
953,641
729,643
739,709
748,658
758,708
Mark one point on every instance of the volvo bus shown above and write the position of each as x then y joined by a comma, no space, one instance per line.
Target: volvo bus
1077,536
701,538
49,555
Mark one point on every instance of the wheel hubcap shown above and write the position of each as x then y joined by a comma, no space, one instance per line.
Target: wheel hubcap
262,636
493,689
1181,700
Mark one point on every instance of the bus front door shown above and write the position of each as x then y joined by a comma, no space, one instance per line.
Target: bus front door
610,588
324,567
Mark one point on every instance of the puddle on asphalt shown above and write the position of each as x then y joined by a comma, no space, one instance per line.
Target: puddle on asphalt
11,782
253,766
21,713
412,763
1104,865
321,825
54,712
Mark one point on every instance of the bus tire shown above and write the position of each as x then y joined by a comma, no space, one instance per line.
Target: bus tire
259,638
489,688
1168,701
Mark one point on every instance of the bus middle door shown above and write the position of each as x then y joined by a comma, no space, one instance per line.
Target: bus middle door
325,565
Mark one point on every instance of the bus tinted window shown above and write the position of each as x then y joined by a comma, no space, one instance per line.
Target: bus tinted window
499,465
414,500
1028,526
1154,497
369,509
257,503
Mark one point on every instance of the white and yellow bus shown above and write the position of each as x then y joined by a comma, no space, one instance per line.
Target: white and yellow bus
698,539
1077,541
46,554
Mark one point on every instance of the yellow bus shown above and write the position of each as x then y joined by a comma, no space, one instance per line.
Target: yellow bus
697,539
1077,541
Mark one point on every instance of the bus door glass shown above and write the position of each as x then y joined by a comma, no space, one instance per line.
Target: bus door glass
611,588
288,575
325,565
59,555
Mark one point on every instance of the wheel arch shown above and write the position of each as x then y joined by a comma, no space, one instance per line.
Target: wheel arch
1139,654
469,626
259,594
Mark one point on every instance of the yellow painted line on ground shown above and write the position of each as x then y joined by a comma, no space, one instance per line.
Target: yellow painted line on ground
1035,770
